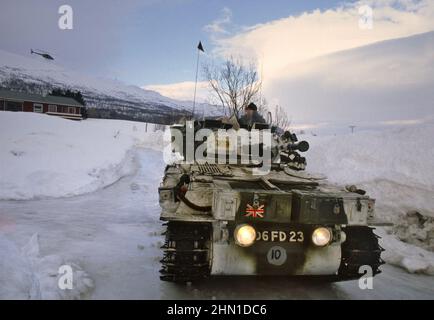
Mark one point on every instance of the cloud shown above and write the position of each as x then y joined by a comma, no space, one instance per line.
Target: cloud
390,80
218,27
182,90
295,39
322,67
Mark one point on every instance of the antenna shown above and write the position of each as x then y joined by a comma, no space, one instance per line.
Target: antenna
262,77
199,49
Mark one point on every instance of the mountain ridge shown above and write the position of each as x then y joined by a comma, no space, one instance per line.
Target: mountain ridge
105,98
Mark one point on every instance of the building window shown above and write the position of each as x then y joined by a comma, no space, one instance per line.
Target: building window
13,106
37,107
71,110
52,108
2,104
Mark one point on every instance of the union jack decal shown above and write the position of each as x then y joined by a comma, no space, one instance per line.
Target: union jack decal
255,211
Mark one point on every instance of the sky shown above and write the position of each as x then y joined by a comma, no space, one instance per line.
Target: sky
140,42
313,56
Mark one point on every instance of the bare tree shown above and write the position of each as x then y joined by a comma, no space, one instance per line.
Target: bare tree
263,107
280,118
234,84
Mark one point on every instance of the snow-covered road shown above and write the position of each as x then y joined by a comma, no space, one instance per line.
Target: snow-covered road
114,235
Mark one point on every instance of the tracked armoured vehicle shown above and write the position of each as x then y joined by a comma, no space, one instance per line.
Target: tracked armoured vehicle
222,219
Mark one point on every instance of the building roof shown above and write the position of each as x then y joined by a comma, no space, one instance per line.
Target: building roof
24,96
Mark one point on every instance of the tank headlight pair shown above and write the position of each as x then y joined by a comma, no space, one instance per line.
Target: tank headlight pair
245,235
321,236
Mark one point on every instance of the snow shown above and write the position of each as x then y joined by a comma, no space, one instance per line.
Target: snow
114,236
411,258
395,166
24,274
15,273
48,156
111,237
34,70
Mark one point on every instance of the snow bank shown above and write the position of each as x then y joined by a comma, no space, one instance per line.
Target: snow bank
407,256
395,166
45,156
24,274
16,281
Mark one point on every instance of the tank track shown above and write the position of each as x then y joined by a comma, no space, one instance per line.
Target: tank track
360,248
186,251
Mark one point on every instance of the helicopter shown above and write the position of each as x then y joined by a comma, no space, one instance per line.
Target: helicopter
44,55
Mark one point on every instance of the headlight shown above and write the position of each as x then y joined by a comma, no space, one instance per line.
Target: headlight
321,236
245,235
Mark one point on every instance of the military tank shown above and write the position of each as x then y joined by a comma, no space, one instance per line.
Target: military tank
221,219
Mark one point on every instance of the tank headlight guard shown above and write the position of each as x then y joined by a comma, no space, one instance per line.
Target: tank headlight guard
245,235
321,236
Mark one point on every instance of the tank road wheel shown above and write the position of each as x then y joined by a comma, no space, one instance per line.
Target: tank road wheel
186,251
360,248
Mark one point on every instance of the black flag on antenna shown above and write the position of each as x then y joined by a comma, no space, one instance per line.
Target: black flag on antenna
199,48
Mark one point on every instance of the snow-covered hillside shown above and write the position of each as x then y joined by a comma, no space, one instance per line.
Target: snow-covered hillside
36,75
43,156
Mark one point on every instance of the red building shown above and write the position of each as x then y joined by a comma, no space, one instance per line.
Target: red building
57,106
